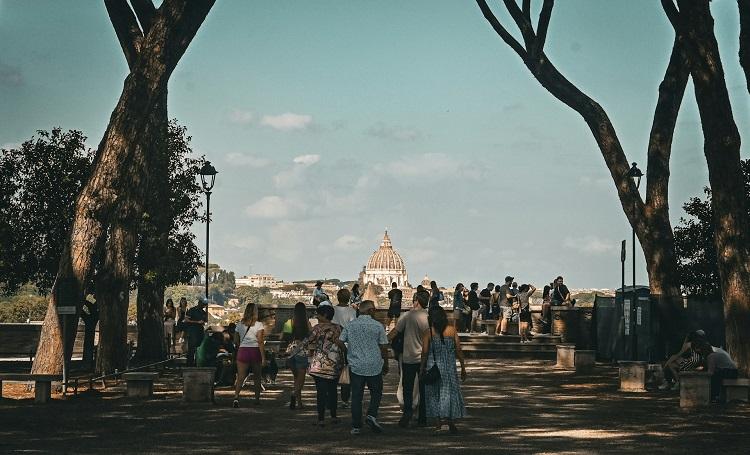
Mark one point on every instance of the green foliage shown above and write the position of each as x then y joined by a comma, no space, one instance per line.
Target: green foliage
25,305
41,180
694,243
191,293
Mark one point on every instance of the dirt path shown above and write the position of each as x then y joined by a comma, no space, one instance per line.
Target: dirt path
515,407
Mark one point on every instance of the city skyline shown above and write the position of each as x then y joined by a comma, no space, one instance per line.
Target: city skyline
329,121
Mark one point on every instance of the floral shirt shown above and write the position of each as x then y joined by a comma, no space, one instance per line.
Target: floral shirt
326,360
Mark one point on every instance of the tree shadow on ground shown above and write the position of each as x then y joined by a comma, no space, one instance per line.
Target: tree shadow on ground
514,406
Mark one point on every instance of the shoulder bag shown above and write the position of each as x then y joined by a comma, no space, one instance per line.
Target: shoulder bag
432,375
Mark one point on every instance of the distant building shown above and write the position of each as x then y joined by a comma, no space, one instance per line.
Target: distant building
256,281
385,266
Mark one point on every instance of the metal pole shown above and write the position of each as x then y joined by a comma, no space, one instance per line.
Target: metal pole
208,223
65,353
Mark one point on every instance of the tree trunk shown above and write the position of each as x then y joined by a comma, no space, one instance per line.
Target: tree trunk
650,220
152,56
722,151
112,293
151,345
744,53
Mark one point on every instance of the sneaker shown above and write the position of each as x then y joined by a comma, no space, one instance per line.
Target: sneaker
236,404
676,386
372,422
344,405
355,431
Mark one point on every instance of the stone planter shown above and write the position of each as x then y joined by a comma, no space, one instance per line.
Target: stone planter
198,384
632,376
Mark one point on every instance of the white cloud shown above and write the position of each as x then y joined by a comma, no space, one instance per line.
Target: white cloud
241,117
393,133
348,243
287,121
249,242
241,159
591,244
428,165
307,160
271,207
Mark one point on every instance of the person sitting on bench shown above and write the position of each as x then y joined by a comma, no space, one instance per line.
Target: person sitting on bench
687,359
719,365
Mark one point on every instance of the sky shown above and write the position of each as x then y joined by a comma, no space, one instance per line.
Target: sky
329,121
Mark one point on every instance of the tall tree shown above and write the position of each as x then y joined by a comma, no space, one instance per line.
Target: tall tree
109,208
167,253
650,219
721,146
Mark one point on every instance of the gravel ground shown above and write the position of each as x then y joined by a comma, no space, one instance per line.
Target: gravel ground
515,406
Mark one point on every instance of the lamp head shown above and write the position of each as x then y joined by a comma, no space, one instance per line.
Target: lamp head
208,176
634,172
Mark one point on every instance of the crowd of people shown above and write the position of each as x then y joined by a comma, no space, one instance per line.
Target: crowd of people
343,349
503,304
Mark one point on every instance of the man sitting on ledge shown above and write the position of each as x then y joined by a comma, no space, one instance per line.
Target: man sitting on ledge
719,365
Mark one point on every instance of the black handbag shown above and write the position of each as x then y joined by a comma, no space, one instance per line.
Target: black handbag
398,344
432,375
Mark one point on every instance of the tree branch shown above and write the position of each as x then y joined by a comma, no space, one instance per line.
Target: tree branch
671,93
145,12
126,27
744,7
544,17
500,30
527,10
672,14
523,25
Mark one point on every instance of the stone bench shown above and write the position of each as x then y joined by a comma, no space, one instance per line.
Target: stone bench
198,384
140,384
632,376
489,325
695,389
736,389
42,384
570,358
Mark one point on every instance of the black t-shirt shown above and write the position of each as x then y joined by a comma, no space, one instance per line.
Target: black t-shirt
560,292
395,296
196,313
485,295
473,300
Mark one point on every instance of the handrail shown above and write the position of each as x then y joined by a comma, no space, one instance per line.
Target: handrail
128,370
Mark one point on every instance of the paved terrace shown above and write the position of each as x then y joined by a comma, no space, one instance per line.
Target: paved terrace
523,407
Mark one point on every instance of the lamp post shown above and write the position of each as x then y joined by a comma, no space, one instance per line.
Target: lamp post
208,176
636,175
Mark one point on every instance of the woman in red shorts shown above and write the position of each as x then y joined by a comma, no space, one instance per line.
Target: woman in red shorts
250,351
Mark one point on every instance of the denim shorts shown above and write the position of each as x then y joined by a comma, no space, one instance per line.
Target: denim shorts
298,362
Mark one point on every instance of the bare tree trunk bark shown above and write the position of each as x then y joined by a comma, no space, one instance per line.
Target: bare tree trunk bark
722,150
112,293
152,56
744,54
151,344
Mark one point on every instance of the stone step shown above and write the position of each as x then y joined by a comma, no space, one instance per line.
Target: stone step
509,354
510,346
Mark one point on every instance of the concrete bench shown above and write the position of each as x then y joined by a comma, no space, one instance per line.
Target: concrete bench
632,376
570,358
140,384
736,389
695,389
198,384
42,384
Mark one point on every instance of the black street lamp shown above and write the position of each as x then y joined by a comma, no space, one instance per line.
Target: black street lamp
636,175
208,176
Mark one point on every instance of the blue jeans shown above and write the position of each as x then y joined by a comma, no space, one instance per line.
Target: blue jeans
375,385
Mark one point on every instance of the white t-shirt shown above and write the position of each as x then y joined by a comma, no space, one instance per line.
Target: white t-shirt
249,337
343,315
